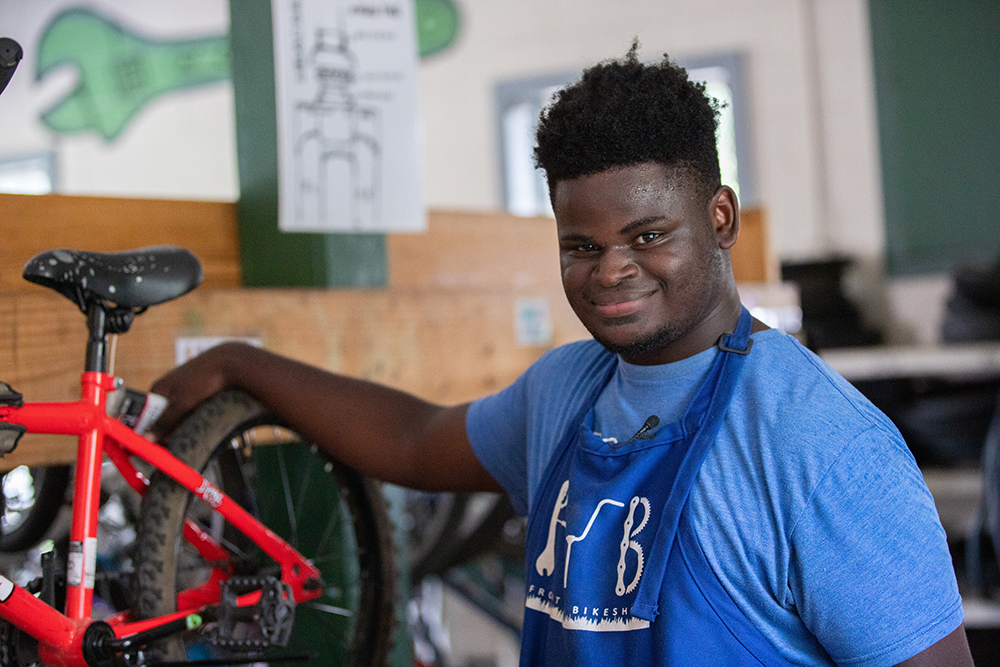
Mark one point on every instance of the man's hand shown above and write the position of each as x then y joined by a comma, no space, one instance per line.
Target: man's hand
188,385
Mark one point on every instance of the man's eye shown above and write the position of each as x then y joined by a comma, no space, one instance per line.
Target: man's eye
647,237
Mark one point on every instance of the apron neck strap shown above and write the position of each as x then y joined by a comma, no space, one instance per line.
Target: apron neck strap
738,342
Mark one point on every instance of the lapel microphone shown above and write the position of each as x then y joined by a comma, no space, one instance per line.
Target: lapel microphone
652,421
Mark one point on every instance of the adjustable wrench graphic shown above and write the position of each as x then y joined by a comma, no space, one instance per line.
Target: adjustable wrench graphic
119,70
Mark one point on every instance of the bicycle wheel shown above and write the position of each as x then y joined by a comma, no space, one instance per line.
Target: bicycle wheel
330,513
32,498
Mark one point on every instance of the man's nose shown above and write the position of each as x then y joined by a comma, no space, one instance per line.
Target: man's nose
615,264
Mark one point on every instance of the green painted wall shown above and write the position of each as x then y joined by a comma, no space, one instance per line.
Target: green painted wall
937,76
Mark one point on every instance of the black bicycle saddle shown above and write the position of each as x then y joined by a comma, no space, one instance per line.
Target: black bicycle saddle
130,279
10,56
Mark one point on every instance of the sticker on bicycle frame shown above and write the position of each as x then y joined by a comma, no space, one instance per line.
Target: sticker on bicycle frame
90,560
81,563
74,564
209,494
6,588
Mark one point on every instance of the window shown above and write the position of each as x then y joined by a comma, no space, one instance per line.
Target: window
33,174
519,103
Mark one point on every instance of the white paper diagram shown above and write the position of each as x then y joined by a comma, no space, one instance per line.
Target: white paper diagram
348,149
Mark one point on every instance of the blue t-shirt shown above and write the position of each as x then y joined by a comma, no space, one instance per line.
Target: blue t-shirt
809,506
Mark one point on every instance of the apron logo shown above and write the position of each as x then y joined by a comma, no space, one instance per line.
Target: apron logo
629,543
546,563
601,617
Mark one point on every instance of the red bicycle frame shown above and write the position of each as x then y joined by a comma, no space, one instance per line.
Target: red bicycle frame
60,635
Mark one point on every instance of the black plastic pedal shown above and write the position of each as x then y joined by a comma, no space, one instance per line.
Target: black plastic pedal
9,397
10,435
266,623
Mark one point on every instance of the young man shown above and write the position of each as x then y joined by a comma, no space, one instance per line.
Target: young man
701,490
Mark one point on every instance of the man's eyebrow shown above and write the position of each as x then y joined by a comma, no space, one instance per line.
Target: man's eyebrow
641,222
576,238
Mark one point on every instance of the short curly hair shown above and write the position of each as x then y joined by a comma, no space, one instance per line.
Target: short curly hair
624,112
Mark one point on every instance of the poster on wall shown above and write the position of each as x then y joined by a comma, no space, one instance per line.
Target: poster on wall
119,98
348,139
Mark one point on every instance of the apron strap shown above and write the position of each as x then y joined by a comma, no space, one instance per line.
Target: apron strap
717,392
609,363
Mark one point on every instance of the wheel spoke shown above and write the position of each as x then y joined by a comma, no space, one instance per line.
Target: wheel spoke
329,532
286,488
305,486
330,609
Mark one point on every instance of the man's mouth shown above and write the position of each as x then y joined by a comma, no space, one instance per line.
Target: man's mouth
612,306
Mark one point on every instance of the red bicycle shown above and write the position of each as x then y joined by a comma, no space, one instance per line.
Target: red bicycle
252,547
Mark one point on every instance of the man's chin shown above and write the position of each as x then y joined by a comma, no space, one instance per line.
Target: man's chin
639,346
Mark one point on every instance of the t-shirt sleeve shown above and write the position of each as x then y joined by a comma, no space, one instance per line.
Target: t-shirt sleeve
497,428
870,571
516,432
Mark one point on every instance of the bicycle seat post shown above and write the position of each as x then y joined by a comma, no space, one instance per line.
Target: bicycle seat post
102,320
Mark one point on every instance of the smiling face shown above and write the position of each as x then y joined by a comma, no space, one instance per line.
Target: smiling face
645,261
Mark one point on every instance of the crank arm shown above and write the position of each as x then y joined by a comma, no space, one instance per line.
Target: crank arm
249,659
100,644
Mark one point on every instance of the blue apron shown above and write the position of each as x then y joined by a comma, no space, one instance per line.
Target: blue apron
614,574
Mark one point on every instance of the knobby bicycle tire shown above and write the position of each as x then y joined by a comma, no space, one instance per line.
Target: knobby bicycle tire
29,523
290,485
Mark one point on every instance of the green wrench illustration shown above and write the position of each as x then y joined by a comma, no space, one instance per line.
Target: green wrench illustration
120,71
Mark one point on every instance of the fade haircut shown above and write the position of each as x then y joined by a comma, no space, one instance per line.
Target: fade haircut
622,113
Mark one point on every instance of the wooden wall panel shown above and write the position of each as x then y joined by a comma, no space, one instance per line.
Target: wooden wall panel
753,261
464,249
30,224
461,249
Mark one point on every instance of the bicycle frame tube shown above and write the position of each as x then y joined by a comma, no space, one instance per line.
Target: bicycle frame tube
60,634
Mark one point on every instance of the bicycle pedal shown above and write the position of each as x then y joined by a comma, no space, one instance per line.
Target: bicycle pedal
266,623
10,397
10,435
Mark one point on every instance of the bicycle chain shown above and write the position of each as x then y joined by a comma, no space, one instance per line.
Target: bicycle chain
5,649
10,646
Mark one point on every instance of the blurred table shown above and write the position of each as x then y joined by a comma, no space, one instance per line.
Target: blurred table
960,361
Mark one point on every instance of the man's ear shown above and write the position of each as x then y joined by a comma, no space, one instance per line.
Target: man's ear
724,210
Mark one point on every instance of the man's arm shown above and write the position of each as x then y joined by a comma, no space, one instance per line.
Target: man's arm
952,651
384,433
